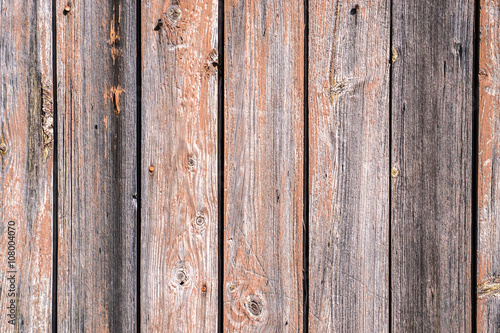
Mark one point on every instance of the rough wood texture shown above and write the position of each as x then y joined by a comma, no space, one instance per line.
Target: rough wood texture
431,160
26,138
263,170
96,132
349,166
488,274
179,272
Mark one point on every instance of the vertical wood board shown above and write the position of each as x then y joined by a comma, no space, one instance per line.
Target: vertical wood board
179,206
263,165
97,183
26,162
349,166
431,161
488,273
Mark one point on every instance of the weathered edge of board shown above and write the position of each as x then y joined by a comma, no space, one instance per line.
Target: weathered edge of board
432,108
263,169
488,270
179,207
349,65
96,135
26,142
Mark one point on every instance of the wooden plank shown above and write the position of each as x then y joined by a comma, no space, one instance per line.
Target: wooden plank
431,161
26,142
263,169
179,248
488,273
97,183
349,165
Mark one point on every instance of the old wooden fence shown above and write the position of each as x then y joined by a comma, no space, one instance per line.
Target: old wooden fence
250,166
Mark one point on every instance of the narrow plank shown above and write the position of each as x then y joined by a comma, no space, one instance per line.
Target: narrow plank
488,273
97,183
26,142
349,165
431,161
179,232
263,169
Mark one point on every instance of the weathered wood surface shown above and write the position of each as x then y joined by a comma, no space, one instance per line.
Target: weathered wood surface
488,274
349,166
179,207
96,146
263,169
431,161
26,161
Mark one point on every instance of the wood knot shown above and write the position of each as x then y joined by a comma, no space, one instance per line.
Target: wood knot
200,220
394,172
174,14
231,287
181,277
212,63
3,148
254,306
199,223
191,163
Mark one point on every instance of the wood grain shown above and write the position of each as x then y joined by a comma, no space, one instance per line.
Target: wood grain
488,311
26,163
431,159
179,249
349,166
97,183
263,169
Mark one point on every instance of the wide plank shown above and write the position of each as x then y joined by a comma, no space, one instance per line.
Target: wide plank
263,165
432,103
178,165
97,165
26,165
349,165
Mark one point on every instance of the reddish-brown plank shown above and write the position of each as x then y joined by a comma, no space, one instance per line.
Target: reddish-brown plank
488,270
263,165
96,147
349,165
179,249
26,162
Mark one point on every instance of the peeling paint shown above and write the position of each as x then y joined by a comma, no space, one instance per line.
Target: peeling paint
47,121
394,55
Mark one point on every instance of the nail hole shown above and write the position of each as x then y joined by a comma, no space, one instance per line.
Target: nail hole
204,288
66,10
151,169
354,9
158,25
